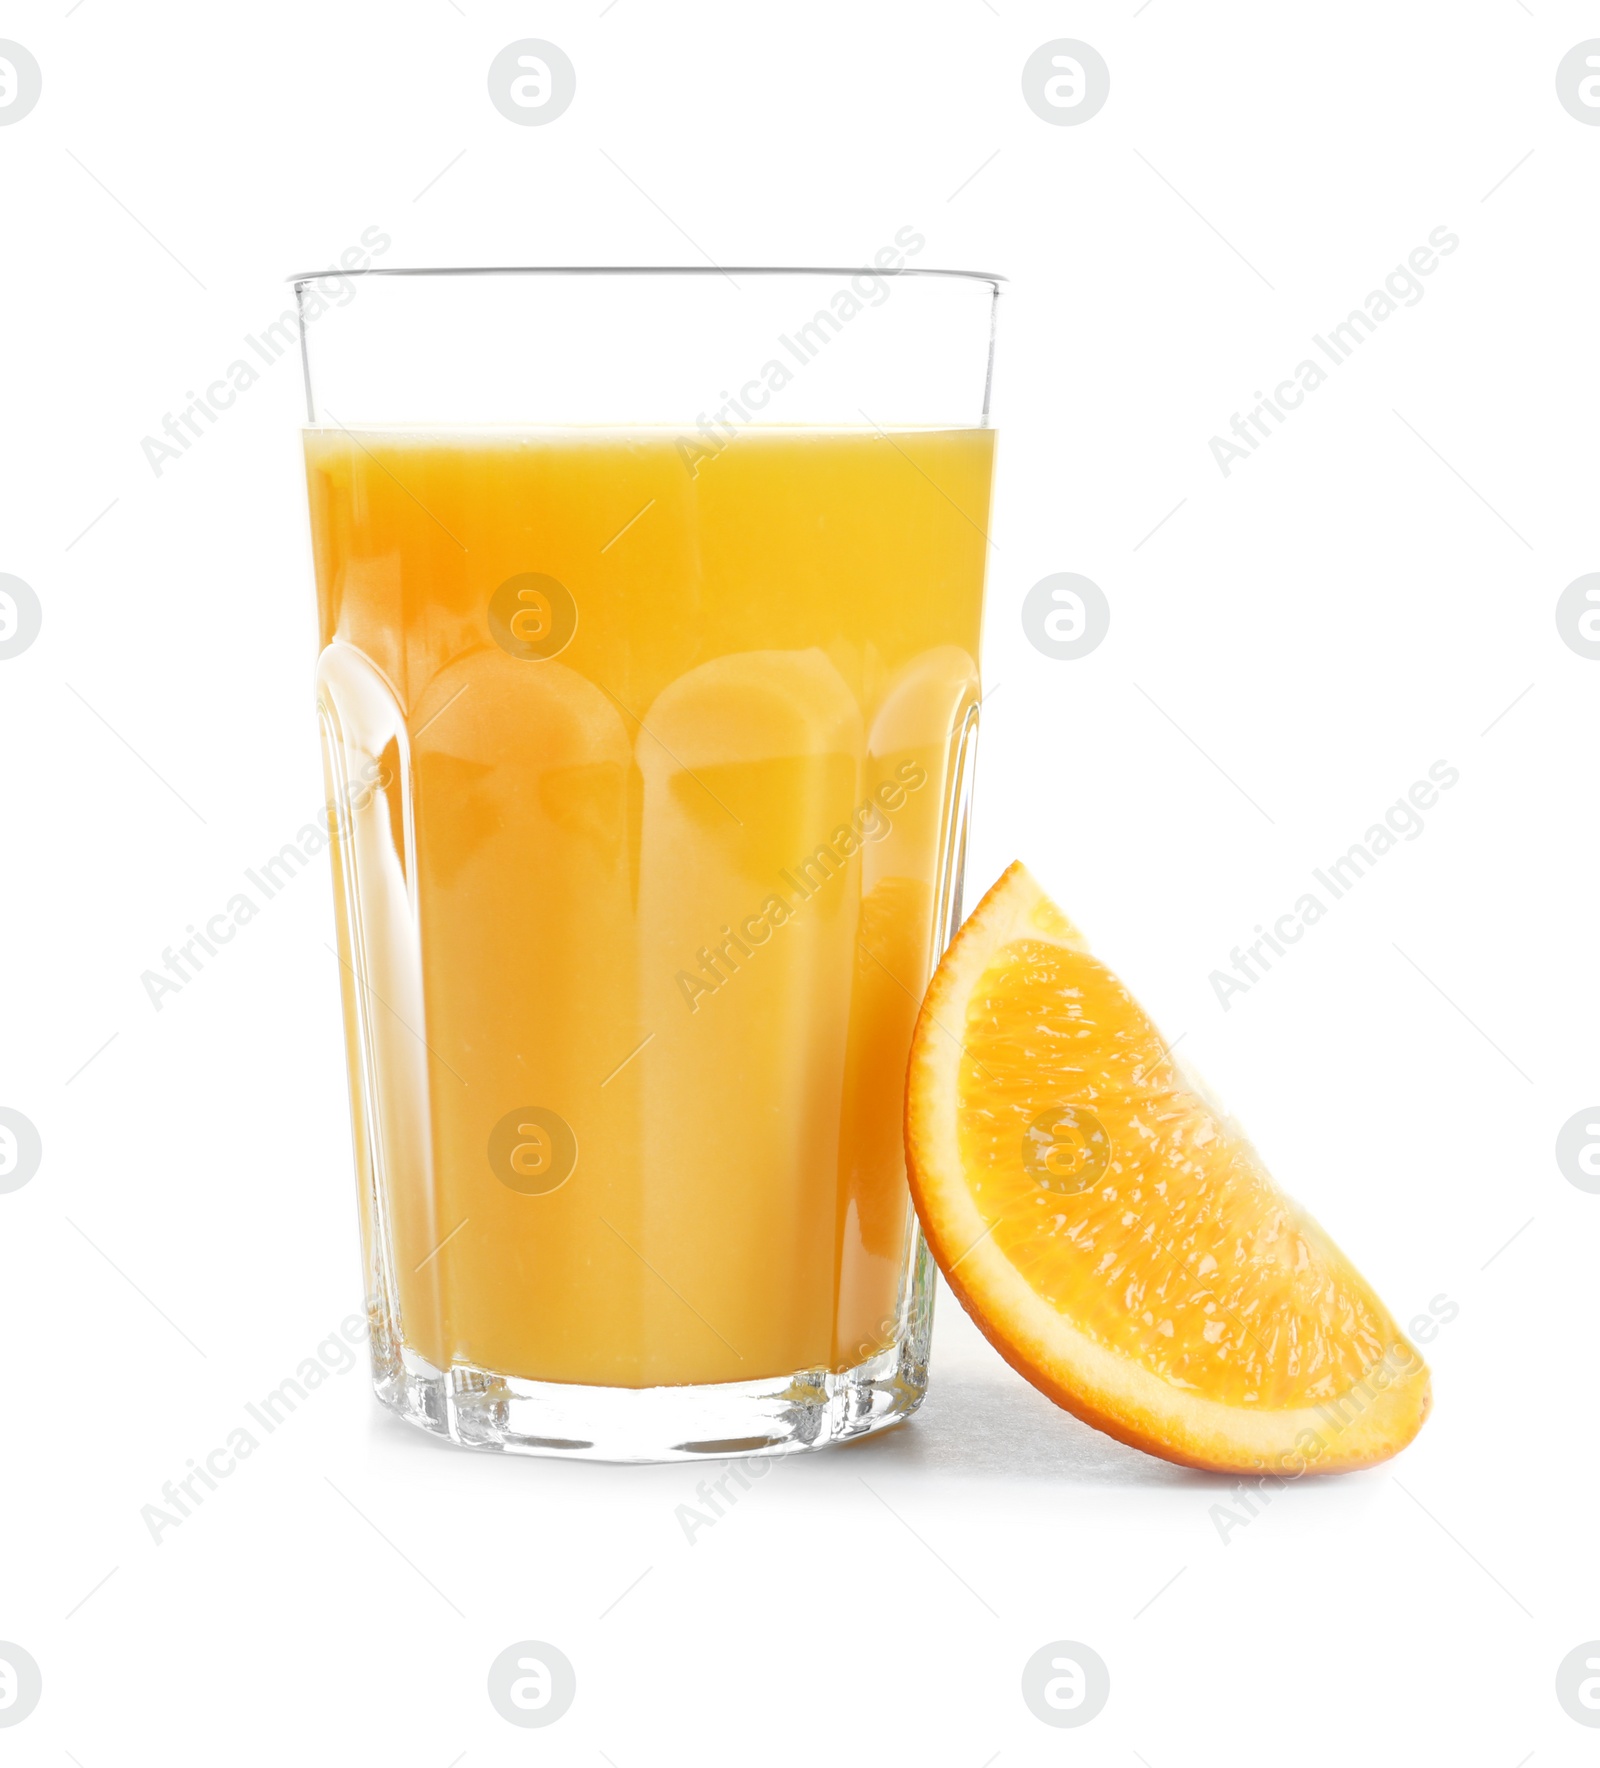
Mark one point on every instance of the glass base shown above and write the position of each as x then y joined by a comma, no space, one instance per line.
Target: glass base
777,1415
810,1409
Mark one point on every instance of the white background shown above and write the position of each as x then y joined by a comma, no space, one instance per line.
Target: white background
1289,651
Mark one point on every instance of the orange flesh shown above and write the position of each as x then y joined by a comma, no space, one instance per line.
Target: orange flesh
1179,1253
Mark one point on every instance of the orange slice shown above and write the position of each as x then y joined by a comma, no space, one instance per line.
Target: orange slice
1113,1233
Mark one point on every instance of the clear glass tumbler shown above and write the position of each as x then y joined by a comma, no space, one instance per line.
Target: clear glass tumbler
649,615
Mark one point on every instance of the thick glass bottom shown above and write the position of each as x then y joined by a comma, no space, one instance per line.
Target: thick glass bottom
808,1409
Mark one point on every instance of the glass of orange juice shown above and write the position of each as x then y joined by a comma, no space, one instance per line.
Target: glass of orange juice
649,608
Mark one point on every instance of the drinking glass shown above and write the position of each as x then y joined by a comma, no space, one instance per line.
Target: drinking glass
649,608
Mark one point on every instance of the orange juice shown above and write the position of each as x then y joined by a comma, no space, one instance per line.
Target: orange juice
644,761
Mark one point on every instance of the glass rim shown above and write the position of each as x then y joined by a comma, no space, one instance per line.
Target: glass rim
302,278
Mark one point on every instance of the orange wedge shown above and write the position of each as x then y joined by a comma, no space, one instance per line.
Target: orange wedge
1113,1233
